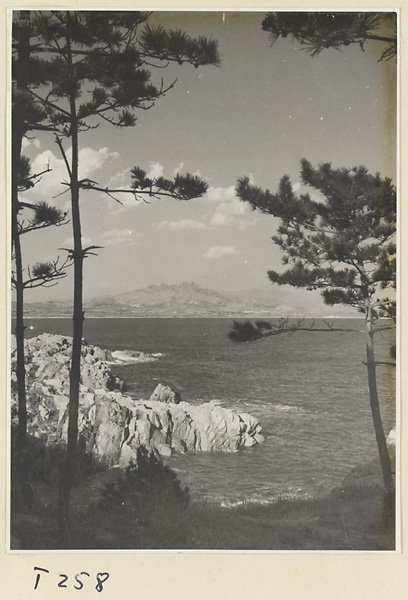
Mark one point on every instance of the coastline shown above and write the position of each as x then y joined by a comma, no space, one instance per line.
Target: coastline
285,522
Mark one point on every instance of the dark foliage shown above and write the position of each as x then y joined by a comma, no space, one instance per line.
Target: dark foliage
317,31
247,331
98,65
45,213
337,236
46,460
148,486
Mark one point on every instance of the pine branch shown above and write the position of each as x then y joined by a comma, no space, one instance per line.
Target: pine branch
46,274
50,104
247,332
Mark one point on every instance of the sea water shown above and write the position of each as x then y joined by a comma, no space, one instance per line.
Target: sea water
308,390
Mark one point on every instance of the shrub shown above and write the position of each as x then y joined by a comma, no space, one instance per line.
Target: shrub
148,486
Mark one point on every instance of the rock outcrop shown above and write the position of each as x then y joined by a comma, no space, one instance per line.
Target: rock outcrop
112,425
164,393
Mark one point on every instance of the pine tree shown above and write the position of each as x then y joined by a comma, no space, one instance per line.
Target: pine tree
26,116
108,56
338,236
317,31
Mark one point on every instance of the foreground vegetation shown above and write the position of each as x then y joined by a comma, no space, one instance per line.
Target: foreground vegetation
145,507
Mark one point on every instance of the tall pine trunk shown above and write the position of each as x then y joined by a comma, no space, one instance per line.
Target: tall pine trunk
17,138
69,473
23,466
389,487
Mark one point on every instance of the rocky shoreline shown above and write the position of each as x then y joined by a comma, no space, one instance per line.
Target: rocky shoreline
113,425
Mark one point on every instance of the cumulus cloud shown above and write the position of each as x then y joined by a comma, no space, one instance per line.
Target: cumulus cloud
220,252
121,179
178,169
156,170
182,224
90,162
300,188
227,213
27,142
229,210
219,194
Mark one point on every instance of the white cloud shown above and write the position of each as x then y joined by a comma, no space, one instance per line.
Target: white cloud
300,188
229,210
219,194
178,169
156,170
121,179
119,237
27,142
182,224
220,252
90,162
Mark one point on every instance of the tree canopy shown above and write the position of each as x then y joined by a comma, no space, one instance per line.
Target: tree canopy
88,66
317,31
106,58
337,234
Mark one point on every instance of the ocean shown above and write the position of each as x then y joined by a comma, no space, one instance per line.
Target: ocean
308,390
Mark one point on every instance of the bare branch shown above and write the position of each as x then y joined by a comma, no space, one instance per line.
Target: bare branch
64,156
247,332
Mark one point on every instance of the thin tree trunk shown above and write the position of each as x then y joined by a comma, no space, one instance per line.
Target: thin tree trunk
389,487
68,477
23,465
17,137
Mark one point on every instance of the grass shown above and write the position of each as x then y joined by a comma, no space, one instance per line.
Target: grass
147,509
348,519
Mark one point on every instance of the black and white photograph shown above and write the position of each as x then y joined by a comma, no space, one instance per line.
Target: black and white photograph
203,322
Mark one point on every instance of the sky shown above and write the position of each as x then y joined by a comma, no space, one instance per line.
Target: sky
258,114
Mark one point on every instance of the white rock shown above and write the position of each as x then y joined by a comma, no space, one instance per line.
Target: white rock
113,425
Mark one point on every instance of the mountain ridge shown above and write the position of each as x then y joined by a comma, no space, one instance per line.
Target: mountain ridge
192,300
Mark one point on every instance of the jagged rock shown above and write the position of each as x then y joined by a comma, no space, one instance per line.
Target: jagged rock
164,393
112,425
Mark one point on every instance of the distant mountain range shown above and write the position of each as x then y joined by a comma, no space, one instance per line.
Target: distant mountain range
191,300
